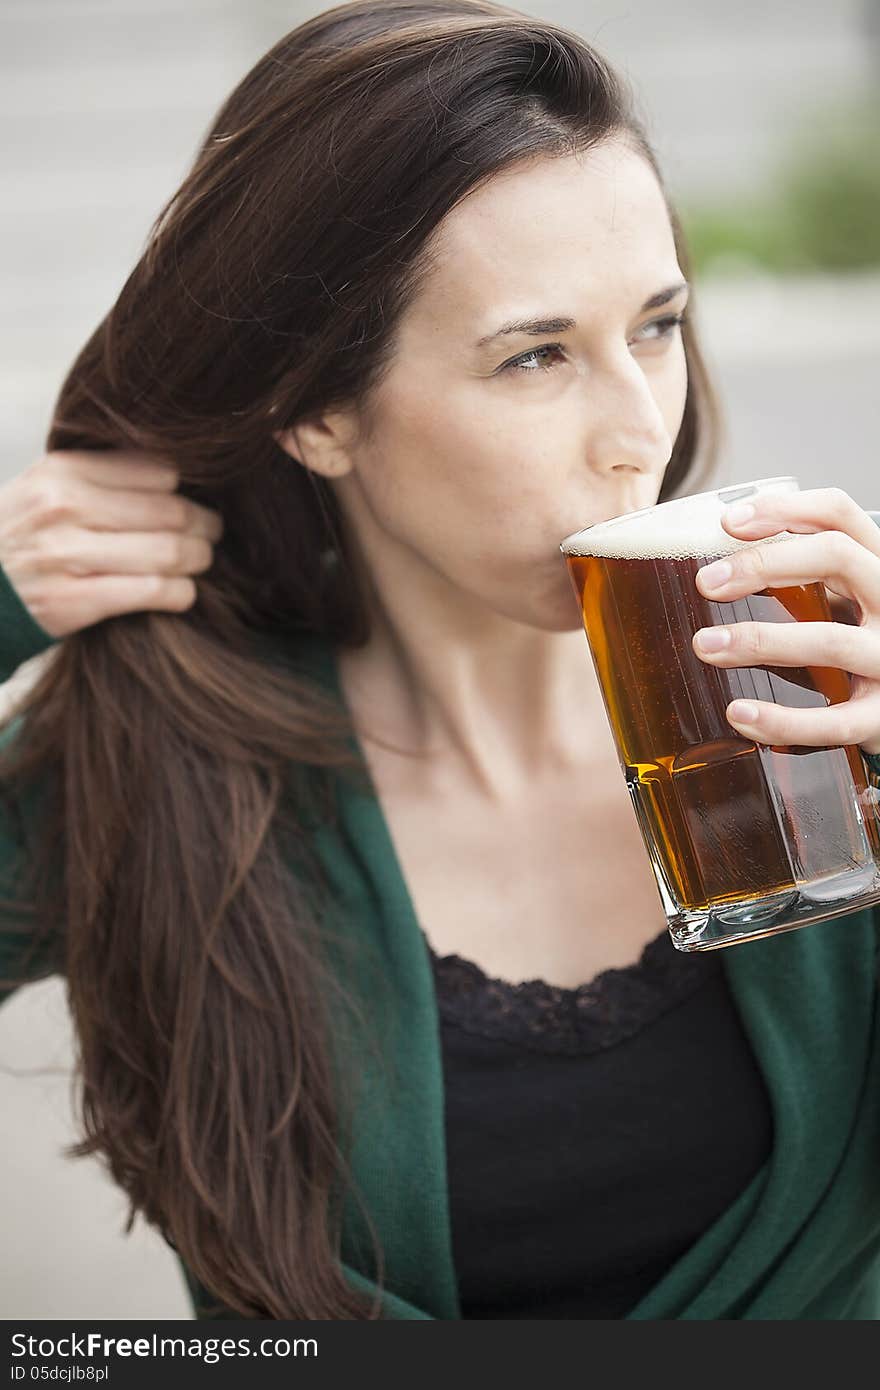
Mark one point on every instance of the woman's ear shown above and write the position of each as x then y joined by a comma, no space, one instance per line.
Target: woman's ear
322,443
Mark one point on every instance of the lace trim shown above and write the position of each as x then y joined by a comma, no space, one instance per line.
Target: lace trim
613,1006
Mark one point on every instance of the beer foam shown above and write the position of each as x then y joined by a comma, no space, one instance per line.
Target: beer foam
686,528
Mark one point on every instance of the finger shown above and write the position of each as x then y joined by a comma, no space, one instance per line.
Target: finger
111,510
80,552
851,722
830,557
92,599
115,468
817,509
853,649
122,509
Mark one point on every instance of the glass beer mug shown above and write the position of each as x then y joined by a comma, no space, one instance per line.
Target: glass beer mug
744,839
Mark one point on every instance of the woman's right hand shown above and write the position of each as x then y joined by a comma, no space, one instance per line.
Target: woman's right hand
86,535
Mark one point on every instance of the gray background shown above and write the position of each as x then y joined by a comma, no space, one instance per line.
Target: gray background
102,105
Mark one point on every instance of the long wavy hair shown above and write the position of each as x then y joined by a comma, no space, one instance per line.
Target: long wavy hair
165,829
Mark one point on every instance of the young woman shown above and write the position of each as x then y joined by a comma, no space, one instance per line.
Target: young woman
315,803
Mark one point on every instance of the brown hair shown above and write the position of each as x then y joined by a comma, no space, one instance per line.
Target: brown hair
170,833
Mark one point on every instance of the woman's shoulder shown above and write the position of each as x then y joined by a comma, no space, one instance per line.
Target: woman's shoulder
814,987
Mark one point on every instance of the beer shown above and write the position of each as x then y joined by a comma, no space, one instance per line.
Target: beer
725,820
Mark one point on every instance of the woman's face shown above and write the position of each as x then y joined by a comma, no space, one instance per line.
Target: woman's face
487,446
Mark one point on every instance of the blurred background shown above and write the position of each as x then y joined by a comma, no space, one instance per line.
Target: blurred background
767,122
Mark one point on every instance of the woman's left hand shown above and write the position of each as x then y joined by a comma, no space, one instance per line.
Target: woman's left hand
838,545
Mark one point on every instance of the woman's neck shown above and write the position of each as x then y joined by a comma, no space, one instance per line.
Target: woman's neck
505,704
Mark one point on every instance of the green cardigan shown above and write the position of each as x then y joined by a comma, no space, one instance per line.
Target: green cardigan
802,1241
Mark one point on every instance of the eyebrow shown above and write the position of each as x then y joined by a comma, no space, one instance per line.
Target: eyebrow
535,327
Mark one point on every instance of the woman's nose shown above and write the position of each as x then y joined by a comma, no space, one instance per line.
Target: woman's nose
628,428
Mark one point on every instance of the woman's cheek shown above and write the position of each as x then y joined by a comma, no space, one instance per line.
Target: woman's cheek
675,393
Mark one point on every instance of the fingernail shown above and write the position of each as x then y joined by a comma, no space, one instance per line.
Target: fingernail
713,639
716,574
739,513
743,712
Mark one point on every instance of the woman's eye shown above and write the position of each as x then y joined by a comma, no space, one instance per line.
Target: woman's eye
666,326
533,362
528,361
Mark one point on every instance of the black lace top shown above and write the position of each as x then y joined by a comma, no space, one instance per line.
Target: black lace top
593,1134
547,1018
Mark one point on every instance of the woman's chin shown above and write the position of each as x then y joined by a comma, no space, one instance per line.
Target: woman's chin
560,617
571,623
